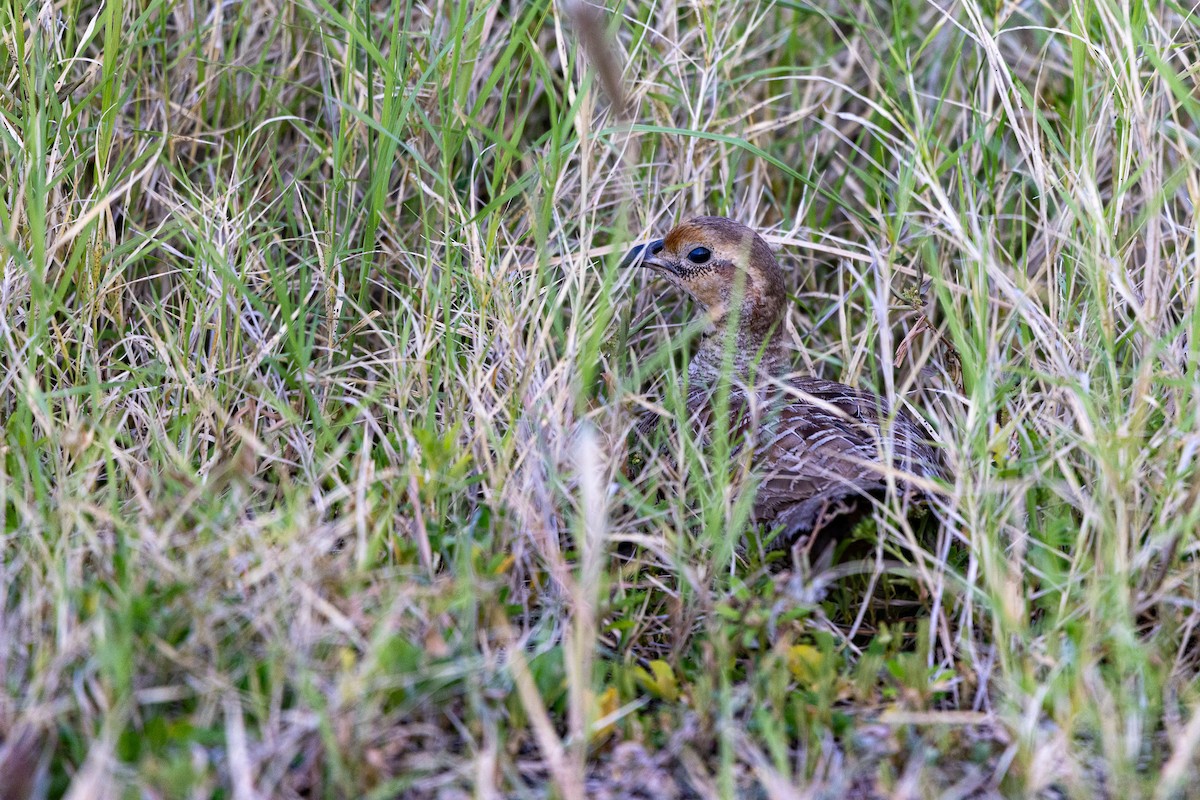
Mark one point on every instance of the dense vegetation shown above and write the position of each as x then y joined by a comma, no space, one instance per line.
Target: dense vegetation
317,373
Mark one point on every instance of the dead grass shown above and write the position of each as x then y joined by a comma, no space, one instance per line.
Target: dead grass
318,374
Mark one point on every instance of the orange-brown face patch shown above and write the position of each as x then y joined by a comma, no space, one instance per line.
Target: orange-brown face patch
682,236
741,263
715,232
711,284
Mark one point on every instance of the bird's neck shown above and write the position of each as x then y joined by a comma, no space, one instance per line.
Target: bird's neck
744,355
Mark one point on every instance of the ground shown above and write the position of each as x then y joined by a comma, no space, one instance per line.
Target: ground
317,375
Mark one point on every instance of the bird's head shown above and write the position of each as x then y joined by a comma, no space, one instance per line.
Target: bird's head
723,265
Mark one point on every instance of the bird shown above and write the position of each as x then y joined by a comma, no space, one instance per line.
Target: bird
825,453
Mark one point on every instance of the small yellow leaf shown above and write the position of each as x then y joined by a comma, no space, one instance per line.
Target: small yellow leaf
804,662
660,681
605,706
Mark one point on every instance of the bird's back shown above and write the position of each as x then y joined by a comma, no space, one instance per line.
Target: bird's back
823,451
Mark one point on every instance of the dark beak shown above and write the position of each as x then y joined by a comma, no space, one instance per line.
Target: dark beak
646,255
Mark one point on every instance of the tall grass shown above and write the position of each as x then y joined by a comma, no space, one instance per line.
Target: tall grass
319,373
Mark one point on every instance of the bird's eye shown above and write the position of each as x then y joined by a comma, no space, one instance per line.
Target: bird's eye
699,255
